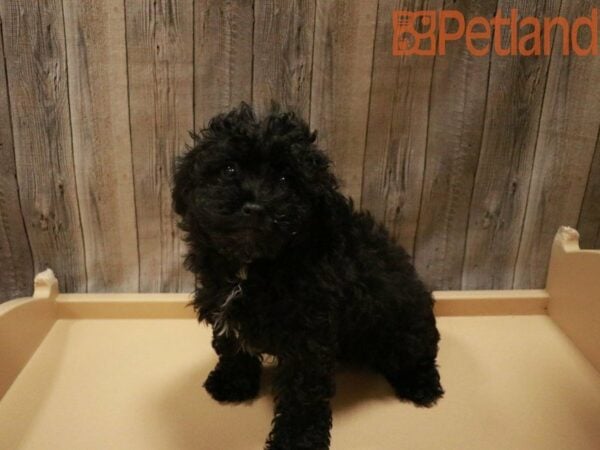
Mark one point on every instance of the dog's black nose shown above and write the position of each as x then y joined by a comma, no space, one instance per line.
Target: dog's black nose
250,209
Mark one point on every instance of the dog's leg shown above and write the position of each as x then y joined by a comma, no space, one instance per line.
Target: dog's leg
236,378
303,388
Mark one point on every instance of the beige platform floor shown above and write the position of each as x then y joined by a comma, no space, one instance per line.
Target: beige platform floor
512,382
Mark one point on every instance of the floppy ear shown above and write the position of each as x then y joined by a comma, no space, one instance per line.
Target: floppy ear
289,130
182,181
316,167
331,210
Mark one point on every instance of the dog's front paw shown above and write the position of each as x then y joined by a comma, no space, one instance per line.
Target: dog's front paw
300,427
294,442
425,395
233,383
422,388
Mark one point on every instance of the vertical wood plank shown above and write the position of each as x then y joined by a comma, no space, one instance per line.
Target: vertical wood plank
514,105
95,38
161,85
282,67
589,218
341,81
457,109
34,47
564,151
223,56
397,128
15,255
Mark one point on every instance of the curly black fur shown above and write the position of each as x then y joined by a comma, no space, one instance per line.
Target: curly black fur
287,267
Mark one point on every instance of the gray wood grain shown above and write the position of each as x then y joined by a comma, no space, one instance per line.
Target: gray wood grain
161,95
95,42
341,81
589,217
33,36
472,163
397,129
458,96
15,255
282,67
565,147
223,56
514,106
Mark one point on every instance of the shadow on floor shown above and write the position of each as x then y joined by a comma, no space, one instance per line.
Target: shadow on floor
195,421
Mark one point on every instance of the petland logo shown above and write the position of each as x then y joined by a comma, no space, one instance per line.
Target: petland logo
415,33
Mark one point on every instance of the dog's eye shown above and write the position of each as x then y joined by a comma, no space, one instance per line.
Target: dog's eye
229,170
282,179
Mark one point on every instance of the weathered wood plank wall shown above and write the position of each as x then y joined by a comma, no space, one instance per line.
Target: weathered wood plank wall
98,90
341,82
513,106
589,218
452,154
565,147
472,162
223,34
397,129
15,254
36,70
282,54
160,61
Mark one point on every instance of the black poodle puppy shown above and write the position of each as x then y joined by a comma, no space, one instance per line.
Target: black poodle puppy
286,267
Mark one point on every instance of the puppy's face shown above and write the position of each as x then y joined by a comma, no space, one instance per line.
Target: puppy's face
248,186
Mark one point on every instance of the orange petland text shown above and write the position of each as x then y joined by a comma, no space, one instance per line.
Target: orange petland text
428,33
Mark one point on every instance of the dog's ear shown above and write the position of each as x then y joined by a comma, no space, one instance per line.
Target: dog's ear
288,130
183,180
316,166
